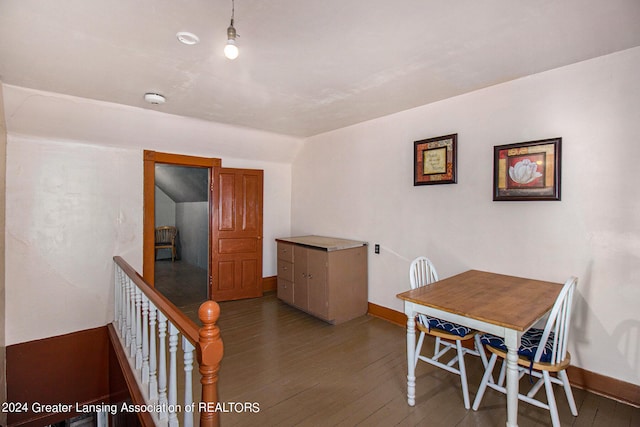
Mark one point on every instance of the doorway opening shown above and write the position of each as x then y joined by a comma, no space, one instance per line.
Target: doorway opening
182,234
166,162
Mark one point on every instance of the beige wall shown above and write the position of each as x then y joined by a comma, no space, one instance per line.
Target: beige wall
3,164
70,209
74,200
357,183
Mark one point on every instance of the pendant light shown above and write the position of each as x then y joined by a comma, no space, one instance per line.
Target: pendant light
231,50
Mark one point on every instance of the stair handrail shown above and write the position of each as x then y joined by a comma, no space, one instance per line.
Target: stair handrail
207,341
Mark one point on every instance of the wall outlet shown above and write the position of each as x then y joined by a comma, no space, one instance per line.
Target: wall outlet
376,248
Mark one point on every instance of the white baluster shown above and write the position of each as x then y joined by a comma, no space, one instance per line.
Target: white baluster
102,419
120,287
116,295
153,366
127,333
123,305
138,328
188,348
132,318
173,383
162,363
145,339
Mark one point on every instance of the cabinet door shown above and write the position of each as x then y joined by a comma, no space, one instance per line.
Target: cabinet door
300,285
317,282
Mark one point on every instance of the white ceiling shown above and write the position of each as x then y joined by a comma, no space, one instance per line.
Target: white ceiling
305,67
183,183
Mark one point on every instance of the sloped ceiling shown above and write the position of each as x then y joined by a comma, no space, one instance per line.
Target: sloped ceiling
305,67
183,184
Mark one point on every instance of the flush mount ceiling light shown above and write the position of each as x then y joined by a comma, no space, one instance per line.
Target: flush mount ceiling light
188,38
154,98
231,50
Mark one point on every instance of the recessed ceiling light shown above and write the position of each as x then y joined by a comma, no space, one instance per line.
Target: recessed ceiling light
186,37
154,98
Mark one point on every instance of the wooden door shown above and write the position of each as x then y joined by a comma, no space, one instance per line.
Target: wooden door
236,247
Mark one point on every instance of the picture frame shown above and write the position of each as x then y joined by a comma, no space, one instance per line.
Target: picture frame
434,160
527,170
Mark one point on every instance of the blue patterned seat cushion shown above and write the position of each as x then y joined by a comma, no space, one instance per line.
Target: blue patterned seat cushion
443,325
528,346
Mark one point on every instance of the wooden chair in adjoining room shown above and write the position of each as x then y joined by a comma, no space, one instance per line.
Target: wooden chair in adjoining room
166,239
448,336
542,352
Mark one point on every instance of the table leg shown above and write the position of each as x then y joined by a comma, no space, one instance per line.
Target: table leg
512,341
411,366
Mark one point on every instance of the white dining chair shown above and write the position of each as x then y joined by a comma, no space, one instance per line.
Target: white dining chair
542,352
448,336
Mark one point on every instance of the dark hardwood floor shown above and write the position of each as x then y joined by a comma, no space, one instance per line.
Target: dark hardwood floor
300,371
185,285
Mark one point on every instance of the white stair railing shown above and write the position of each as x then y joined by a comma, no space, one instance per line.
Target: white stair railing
149,329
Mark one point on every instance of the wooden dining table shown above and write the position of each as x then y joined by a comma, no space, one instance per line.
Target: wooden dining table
502,305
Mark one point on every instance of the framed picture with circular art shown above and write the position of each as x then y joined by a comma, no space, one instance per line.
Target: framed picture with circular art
434,160
527,170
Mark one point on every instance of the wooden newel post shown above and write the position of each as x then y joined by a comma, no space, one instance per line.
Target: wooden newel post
210,351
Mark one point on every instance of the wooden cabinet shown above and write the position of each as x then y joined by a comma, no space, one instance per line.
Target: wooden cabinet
324,276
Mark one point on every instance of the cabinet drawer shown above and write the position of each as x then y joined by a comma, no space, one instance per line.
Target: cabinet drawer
285,251
285,291
285,270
